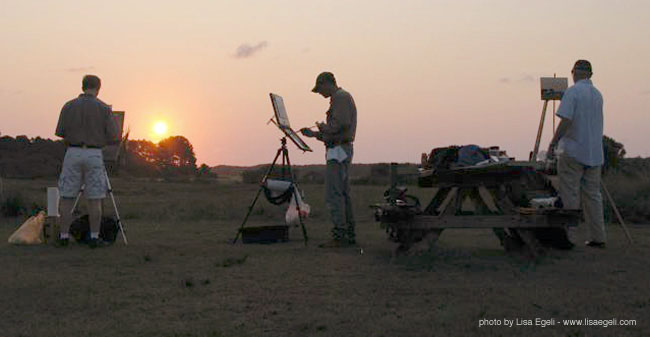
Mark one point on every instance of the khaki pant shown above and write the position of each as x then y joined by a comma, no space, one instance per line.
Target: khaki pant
580,184
338,199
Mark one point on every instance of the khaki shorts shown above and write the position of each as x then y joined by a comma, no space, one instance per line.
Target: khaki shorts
83,167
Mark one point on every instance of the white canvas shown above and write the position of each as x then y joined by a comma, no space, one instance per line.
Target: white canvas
282,120
280,111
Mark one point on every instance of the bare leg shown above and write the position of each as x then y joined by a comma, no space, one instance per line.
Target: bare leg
95,216
66,215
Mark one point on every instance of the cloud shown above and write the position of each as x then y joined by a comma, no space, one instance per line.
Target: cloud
246,50
80,69
525,78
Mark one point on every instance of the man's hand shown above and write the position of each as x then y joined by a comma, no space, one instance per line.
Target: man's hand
307,132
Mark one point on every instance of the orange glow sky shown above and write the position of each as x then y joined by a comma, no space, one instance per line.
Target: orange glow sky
423,73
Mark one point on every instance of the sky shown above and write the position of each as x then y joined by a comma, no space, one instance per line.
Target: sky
423,74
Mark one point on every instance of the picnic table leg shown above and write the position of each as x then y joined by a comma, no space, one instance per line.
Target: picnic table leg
531,244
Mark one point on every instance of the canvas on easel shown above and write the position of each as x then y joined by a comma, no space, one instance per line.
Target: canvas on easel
282,121
551,89
112,151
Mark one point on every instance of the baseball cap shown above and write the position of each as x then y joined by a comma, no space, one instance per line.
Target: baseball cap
323,77
583,65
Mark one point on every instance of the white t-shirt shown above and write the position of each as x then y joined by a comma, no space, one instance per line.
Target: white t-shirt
582,103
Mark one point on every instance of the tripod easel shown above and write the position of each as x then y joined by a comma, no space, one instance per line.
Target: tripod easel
286,171
117,213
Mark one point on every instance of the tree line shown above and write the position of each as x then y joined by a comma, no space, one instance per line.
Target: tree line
24,157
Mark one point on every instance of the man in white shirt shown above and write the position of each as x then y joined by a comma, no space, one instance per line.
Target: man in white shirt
579,142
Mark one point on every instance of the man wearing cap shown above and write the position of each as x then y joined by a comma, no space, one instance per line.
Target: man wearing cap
337,133
579,142
86,125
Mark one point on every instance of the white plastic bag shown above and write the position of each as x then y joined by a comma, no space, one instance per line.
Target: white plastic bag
336,153
292,217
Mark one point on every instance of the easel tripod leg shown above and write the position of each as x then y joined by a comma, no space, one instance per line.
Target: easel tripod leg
76,201
539,132
295,194
618,215
250,208
302,223
117,214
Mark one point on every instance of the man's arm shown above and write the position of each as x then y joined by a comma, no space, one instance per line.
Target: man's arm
340,119
315,134
307,132
564,126
333,126
565,112
111,128
60,125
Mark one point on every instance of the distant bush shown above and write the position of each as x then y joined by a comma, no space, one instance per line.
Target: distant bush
316,177
204,171
30,158
14,203
380,170
629,184
254,175
614,153
24,157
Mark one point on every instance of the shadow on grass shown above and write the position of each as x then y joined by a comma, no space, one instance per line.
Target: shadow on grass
479,260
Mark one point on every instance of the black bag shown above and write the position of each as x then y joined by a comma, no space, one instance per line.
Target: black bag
278,198
80,229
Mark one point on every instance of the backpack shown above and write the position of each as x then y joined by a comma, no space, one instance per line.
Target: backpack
80,229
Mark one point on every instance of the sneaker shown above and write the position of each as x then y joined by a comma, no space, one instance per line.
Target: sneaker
595,244
98,243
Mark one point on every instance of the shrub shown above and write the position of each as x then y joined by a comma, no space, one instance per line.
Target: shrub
254,175
13,204
629,185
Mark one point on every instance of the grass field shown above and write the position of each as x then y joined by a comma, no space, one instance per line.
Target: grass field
180,276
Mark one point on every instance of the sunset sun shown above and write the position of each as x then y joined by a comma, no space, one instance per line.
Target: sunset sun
160,128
